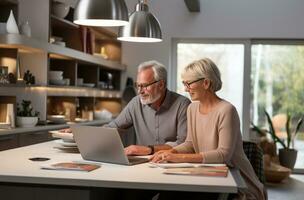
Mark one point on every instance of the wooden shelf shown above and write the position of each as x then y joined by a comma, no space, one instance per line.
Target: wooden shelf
53,90
63,23
27,44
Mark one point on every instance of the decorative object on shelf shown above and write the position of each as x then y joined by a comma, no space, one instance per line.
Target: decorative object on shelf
287,155
29,78
60,9
110,81
101,13
83,32
90,41
26,117
103,53
12,78
10,115
3,28
129,91
25,29
143,26
11,25
4,79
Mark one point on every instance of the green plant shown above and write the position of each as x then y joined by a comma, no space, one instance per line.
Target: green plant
290,135
26,109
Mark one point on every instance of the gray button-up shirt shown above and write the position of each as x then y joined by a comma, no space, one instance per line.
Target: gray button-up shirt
168,125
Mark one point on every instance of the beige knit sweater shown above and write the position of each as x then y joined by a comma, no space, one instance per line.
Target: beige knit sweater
217,137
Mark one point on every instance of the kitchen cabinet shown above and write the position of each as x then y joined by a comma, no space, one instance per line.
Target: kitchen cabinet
90,76
26,139
8,141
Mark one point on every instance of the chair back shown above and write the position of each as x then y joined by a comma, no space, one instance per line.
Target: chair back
254,154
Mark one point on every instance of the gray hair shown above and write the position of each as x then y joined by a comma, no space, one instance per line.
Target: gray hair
160,72
204,68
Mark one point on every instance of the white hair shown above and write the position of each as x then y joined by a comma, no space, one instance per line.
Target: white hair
160,72
204,68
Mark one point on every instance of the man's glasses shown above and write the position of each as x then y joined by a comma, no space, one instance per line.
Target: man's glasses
188,84
144,85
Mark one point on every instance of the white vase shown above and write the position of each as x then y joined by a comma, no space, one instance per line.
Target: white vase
11,25
25,29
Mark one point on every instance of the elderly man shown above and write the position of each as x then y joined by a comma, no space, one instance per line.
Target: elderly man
157,114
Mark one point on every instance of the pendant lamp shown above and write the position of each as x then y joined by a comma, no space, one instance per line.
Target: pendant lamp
101,13
143,26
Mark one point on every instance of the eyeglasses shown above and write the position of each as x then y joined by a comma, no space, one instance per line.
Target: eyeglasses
188,84
144,85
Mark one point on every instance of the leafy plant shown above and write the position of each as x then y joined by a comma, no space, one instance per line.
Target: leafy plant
290,135
26,109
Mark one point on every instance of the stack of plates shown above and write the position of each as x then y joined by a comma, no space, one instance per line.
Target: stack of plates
57,119
56,78
66,137
66,142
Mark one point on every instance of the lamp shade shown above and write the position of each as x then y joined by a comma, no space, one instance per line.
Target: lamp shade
143,26
101,13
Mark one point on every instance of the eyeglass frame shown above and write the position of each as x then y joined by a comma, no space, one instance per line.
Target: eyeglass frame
144,85
187,85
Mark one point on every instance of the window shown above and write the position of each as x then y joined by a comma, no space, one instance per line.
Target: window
277,82
230,60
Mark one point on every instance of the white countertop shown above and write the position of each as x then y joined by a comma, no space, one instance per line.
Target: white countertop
16,168
48,127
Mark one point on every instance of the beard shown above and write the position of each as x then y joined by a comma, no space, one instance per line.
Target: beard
149,99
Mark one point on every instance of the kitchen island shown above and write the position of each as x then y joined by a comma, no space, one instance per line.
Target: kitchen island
21,178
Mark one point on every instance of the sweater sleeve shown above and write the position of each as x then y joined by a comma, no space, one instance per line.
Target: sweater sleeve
228,131
187,146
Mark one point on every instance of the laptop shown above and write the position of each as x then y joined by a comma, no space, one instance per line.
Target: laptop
103,145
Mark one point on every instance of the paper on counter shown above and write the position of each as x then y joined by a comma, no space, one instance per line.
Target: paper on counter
183,165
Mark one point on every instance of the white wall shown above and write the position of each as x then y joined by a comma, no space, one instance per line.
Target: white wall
217,19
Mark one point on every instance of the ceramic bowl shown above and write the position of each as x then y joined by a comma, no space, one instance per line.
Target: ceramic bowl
60,10
26,122
55,75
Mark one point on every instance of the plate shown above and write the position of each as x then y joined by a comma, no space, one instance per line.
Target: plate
67,149
66,144
66,137
57,119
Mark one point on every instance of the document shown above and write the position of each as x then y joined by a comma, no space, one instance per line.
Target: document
76,166
183,165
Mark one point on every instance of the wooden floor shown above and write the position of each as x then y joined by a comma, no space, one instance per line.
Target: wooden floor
290,189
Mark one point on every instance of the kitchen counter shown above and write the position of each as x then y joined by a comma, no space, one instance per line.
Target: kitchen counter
48,127
16,168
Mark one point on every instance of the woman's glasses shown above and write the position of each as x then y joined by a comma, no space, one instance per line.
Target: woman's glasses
188,84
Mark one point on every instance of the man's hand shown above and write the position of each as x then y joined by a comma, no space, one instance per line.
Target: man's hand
137,150
67,130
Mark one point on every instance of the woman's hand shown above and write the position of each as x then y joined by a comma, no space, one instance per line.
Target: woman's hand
167,156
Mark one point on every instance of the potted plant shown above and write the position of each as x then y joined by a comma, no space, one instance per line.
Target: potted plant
287,154
26,117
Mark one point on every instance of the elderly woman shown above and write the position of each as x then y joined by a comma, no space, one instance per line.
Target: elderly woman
214,134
